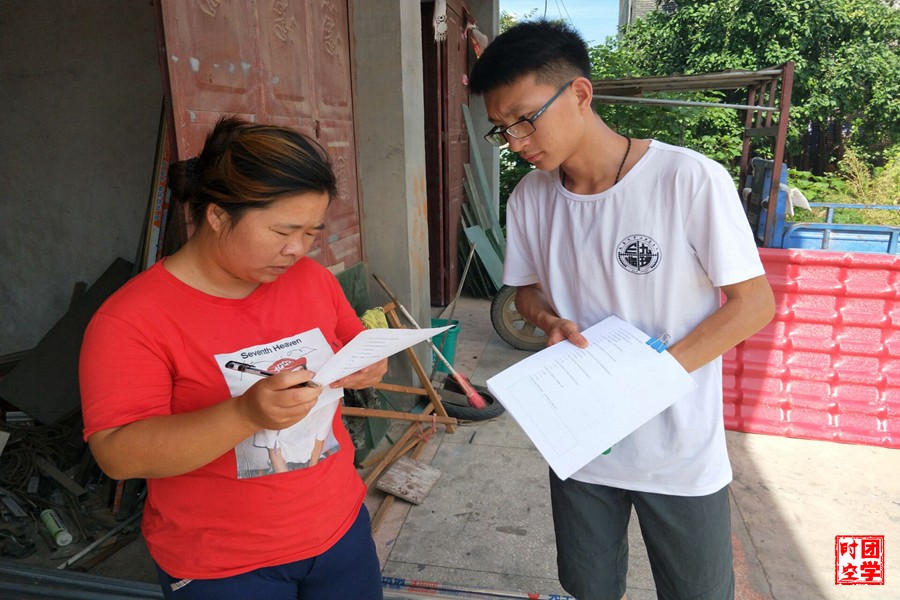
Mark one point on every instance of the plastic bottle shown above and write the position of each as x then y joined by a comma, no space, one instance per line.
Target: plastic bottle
55,526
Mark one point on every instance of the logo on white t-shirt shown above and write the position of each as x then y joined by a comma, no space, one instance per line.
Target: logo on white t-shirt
638,254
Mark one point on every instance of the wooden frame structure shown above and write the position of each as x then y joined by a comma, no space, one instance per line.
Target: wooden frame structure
767,111
434,413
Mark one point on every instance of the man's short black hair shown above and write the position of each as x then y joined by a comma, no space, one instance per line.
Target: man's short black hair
550,50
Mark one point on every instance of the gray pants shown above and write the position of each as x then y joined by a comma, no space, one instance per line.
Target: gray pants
688,541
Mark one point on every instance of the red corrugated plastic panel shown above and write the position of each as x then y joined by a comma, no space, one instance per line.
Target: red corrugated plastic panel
828,366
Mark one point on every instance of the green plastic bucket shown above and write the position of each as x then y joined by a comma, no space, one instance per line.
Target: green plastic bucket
445,342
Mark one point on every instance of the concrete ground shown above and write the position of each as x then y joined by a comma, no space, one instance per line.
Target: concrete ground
486,523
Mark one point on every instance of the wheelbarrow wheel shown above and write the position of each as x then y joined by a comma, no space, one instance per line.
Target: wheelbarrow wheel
511,326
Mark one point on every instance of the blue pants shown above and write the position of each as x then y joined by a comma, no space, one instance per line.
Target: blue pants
349,569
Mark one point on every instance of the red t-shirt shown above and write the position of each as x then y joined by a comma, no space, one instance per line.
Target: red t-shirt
158,347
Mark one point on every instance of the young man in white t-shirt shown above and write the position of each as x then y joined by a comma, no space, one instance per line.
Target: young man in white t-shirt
654,234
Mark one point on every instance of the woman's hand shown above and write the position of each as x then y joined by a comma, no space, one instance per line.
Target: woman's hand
363,378
279,401
170,445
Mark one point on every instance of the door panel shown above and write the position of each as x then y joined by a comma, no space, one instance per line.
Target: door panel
331,67
285,59
270,61
446,145
213,66
342,227
456,139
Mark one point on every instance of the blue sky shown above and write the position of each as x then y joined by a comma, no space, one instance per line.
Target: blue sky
594,19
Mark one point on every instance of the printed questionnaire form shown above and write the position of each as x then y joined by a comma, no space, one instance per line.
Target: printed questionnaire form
576,403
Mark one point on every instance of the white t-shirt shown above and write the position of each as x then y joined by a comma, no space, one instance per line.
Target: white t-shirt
653,250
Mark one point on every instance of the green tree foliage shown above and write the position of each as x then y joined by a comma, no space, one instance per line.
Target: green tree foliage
508,19
847,81
716,132
854,182
512,166
846,55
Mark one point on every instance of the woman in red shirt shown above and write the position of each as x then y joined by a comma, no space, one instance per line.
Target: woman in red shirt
162,400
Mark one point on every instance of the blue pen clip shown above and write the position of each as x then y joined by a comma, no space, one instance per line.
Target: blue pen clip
661,343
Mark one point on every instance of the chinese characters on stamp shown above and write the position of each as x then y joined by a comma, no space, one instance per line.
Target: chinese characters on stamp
859,560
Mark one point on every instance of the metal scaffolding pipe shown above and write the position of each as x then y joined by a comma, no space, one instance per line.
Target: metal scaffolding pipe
25,582
629,99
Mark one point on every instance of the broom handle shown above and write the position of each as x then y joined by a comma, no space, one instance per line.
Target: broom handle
409,317
462,281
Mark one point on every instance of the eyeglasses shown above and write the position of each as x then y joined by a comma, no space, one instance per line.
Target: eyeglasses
521,128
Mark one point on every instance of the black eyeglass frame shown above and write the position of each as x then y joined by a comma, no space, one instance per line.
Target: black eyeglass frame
498,135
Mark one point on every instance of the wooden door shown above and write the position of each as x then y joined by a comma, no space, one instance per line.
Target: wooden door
446,145
269,61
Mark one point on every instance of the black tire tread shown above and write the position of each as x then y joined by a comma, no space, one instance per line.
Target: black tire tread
469,413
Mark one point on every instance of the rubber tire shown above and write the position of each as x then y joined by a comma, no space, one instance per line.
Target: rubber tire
512,326
469,413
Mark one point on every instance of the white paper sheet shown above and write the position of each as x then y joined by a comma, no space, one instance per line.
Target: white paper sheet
576,403
369,347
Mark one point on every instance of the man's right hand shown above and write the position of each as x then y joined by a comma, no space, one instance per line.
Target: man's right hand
531,302
564,329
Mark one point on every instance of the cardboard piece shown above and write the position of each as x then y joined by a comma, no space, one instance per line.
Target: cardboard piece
44,383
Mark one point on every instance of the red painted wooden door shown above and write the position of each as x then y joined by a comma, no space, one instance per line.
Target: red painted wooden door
270,61
446,145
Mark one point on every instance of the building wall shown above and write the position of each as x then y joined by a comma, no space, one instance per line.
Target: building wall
629,10
80,98
390,117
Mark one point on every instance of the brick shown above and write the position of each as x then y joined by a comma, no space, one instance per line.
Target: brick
820,280
821,345
864,311
813,360
814,308
891,344
854,396
755,387
877,283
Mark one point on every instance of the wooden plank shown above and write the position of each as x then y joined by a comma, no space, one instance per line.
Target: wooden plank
355,411
48,395
388,501
158,201
477,283
487,219
51,471
409,479
478,209
424,379
481,180
396,450
487,255
761,131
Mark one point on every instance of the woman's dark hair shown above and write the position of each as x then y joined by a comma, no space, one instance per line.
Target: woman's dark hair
245,165
550,50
